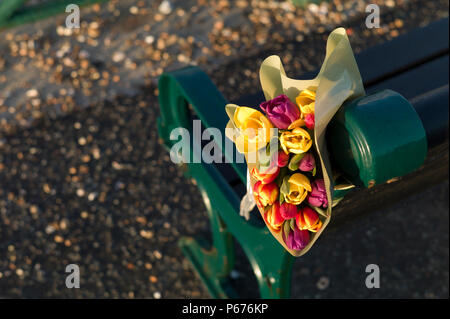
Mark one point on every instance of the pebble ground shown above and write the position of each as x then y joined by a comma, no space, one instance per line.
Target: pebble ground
89,182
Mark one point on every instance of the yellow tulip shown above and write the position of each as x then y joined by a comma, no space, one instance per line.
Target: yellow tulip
299,186
297,140
306,101
255,129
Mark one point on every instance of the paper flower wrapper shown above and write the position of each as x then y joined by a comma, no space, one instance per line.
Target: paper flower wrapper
339,80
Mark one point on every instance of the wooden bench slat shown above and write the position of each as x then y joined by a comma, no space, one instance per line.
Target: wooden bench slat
407,51
408,70
381,62
420,76
417,81
432,108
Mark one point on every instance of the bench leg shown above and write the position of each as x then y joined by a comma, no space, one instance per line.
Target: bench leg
212,263
274,277
271,264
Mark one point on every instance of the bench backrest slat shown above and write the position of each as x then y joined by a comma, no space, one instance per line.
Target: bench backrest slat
387,60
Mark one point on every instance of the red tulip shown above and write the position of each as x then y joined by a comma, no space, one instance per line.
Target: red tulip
283,159
288,211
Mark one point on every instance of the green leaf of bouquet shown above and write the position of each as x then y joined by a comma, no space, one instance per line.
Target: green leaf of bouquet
285,185
281,198
293,163
292,223
281,175
319,211
263,167
292,166
314,171
336,201
268,149
265,156
263,159
286,229
230,109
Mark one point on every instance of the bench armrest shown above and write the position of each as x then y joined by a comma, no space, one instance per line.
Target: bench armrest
191,86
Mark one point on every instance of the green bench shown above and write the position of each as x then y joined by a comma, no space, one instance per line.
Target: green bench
189,94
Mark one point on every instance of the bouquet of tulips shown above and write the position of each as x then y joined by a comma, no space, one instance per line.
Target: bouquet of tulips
291,180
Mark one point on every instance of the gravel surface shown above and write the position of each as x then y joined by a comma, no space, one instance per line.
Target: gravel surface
123,46
93,186
92,189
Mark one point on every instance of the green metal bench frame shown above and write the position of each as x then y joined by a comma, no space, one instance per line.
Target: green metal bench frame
213,264
191,87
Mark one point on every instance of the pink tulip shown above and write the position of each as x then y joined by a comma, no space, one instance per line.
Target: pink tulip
307,163
318,195
297,239
309,120
281,111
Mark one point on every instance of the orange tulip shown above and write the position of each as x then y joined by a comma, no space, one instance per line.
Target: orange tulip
273,217
265,194
308,219
267,176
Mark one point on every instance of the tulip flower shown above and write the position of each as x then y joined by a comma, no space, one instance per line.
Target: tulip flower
309,121
308,219
267,176
265,194
299,187
297,239
283,159
288,211
318,195
306,102
273,217
297,140
281,111
255,130
307,163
